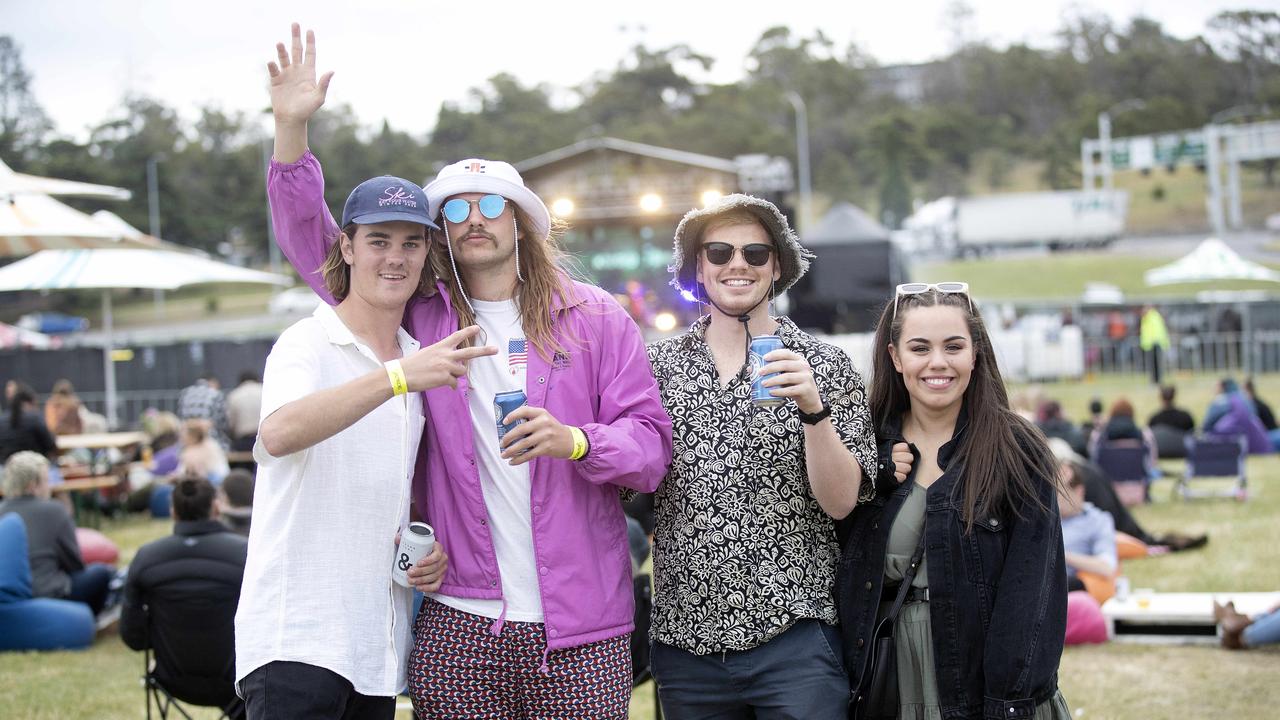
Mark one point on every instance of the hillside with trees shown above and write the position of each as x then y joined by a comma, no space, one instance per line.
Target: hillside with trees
980,119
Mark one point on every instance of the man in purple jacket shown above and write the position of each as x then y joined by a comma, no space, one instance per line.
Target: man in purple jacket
533,615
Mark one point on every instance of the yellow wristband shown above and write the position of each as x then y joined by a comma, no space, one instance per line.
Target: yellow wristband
579,443
399,385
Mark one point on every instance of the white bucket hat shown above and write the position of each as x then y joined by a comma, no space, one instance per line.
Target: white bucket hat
487,176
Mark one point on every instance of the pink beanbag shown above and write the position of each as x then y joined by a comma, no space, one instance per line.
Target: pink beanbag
1085,623
96,547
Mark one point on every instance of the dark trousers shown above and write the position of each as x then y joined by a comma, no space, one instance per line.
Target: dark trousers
296,691
797,675
1157,358
91,585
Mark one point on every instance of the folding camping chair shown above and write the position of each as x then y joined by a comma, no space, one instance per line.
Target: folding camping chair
1215,457
1125,464
166,703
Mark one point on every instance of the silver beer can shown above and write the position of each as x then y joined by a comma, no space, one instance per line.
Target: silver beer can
416,542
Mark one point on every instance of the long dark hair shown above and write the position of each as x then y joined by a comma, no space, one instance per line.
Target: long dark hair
22,395
1003,456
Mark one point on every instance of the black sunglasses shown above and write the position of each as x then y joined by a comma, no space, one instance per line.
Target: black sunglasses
721,253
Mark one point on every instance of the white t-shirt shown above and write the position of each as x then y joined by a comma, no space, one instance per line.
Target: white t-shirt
317,585
506,488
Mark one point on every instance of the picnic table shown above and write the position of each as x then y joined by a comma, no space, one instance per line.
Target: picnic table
1146,616
86,513
100,441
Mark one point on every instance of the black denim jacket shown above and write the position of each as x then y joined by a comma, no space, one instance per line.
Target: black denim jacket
997,595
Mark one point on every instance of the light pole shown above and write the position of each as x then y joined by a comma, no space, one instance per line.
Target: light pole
273,250
153,213
802,157
1104,136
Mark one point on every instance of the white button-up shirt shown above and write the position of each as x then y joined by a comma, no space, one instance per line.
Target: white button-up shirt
317,585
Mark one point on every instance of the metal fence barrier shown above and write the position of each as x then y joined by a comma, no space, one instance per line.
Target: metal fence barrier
1255,352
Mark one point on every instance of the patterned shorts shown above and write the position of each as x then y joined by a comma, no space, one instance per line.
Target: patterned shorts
459,669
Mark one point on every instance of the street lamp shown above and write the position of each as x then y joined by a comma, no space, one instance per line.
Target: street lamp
802,156
153,215
1104,136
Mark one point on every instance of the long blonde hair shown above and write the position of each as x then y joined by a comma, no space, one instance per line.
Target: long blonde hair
548,272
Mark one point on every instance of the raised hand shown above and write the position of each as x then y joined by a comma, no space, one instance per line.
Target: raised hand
295,92
444,362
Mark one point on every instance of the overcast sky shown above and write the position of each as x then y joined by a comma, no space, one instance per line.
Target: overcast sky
399,59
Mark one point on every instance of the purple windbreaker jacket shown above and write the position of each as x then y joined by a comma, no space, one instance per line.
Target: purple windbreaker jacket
602,384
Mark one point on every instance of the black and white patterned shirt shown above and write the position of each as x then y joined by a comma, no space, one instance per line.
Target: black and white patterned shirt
742,549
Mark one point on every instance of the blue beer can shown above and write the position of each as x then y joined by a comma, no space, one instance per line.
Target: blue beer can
762,345
503,405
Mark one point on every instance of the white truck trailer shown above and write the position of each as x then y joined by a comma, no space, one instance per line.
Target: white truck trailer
1056,220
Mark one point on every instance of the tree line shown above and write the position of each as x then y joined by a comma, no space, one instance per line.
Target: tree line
882,137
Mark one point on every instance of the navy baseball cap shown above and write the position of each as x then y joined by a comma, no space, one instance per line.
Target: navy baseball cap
386,198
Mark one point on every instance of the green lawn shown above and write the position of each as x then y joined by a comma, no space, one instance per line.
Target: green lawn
1160,202
1062,276
1108,681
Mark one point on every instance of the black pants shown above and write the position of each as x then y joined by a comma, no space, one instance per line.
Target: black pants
287,690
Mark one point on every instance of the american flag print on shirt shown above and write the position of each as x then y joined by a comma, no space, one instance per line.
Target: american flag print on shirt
517,356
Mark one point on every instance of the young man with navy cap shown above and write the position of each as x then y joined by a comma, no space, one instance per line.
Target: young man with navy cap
533,616
321,630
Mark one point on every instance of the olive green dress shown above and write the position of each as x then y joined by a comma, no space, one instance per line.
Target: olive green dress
913,640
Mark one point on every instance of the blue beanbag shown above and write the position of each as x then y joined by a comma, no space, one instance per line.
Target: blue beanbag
161,493
40,623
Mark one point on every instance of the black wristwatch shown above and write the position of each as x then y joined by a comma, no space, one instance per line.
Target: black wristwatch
814,418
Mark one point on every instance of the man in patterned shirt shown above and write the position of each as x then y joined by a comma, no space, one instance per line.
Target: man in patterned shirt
745,548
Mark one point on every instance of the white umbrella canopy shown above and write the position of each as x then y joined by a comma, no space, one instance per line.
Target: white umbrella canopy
12,182
106,268
31,222
111,268
1211,260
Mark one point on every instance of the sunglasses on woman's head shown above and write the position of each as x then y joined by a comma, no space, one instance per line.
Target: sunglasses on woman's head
458,210
947,288
721,253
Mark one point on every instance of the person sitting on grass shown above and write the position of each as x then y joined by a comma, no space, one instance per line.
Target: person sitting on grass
1089,537
1170,425
235,501
57,570
181,596
1121,427
1241,632
1232,413
201,454
1088,534
1132,539
1053,424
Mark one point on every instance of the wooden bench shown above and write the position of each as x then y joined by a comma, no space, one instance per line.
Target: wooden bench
86,514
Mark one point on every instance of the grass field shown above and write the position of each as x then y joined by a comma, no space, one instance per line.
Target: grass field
1160,202
1107,681
1062,276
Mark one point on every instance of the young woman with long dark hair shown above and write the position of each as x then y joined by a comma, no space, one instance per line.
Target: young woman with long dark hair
980,631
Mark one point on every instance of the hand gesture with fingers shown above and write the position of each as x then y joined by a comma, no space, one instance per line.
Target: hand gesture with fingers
444,362
794,379
295,92
541,434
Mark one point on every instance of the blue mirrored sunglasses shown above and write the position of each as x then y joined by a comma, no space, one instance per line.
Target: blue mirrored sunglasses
458,210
